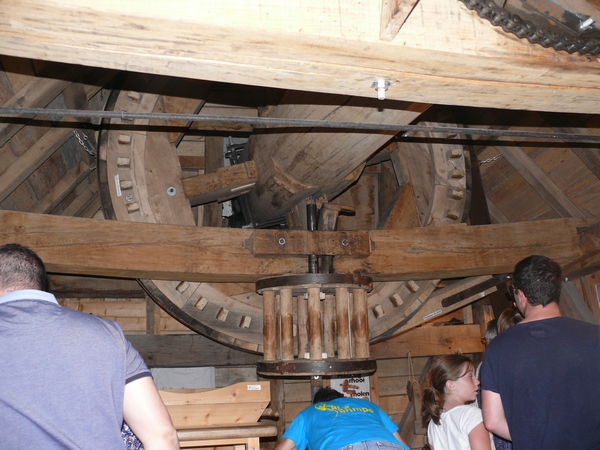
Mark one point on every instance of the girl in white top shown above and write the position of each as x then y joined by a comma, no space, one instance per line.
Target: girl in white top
455,423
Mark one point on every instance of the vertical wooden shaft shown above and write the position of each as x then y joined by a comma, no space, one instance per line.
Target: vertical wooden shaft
277,326
343,334
302,326
360,324
314,323
329,325
287,325
269,335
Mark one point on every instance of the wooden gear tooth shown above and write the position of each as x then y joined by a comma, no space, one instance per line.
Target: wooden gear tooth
126,184
222,314
134,96
412,286
378,311
396,300
245,322
124,139
457,173
456,153
182,287
452,214
457,194
123,162
201,304
132,207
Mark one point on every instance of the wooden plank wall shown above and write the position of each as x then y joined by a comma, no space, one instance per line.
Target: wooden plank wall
130,314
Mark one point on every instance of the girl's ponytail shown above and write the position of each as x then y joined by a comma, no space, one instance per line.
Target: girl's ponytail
433,402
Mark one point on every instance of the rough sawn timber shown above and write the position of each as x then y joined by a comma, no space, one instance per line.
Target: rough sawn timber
173,252
443,53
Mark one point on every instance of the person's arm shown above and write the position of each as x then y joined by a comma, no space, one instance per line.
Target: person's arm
148,417
285,444
479,438
493,414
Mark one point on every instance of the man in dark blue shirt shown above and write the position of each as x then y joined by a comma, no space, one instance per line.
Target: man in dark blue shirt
541,377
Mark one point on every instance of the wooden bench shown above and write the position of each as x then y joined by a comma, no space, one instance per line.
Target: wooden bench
221,417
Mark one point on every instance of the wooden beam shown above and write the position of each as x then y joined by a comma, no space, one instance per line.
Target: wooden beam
188,350
36,94
32,159
227,182
563,123
193,350
589,262
463,60
430,341
174,252
540,182
574,305
65,286
64,187
213,160
393,15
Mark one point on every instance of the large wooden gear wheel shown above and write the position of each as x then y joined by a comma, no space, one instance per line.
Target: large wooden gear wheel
140,179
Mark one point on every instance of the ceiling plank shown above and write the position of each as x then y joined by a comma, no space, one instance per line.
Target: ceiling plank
463,61
87,195
36,94
64,187
590,157
173,252
33,158
540,182
496,215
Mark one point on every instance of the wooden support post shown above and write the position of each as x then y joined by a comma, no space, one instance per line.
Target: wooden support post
360,324
287,325
302,305
343,334
329,325
314,323
269,335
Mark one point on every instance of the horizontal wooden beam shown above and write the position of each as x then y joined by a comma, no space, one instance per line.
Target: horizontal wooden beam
64,286
194,350
172,252
188,350
430,341
443,53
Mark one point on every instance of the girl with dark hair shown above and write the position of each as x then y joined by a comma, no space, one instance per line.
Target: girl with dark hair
454,422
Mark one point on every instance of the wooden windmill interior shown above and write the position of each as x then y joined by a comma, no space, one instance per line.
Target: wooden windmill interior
206,134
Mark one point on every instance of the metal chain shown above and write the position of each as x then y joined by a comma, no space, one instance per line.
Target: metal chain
512,23
489,160
85,143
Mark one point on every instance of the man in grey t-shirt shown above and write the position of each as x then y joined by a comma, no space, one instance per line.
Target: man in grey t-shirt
68,379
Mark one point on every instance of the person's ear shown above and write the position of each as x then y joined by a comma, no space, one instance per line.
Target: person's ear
450,385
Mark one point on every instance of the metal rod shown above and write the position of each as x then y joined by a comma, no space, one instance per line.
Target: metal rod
270,122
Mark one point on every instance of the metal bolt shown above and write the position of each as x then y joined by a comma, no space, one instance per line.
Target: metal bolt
381,86
585,24
345,242
129,197
281,241
171,191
